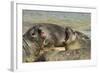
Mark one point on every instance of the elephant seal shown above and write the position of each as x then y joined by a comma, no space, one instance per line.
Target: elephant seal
76,40
31,47
52,33
41,35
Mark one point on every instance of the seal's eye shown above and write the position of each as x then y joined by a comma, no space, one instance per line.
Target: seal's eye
33,33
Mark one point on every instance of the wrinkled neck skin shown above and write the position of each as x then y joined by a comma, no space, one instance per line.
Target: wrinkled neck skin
37,41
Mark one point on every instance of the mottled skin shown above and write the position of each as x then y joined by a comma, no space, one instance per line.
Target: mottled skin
48,35
42,35
52,33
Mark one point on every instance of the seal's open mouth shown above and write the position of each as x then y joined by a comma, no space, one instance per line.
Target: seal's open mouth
67,34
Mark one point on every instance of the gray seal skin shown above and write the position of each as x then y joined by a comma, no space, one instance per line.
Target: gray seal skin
47,35
39,36
31,45
52,33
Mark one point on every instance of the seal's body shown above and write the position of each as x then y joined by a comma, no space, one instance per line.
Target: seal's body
44,35
52,33
39,36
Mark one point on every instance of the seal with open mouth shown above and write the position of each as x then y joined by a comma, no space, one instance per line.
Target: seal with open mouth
75,40
41,35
